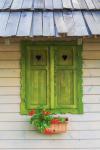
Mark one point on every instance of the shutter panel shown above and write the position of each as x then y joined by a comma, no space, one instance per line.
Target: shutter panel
64,88
65,78
39,78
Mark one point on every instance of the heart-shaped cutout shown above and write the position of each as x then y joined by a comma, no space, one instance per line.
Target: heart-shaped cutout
38,57
64,57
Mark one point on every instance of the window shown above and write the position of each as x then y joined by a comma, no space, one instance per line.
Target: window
51,76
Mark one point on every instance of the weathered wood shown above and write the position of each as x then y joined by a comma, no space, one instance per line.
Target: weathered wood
48,4
84,126
92,40
80,127
97,3
91,72
7,4
75,4
18,135
91,90
91,46
14,108
67,4
90,4
9,64
79,28
10,100
4,17
82,4
25,126
69,21
94,27
91,64
9,91
27,4
10,82
10,73
12,24
60,24
57,4
91,81
10,55
48,24
37,24
29,135
91,99
91,55
2,2
96,16
94,108
16,117
24,28
39,4
12,47
60,149
53,144
17,4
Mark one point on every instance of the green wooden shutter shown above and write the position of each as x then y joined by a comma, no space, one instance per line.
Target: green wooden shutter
66,76
37,77
52,76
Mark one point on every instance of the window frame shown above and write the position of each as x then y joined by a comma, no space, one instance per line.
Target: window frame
24,45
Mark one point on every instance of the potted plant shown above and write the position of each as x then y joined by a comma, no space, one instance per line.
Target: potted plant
44,121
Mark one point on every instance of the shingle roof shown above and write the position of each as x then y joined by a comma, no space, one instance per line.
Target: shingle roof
52,18
49,4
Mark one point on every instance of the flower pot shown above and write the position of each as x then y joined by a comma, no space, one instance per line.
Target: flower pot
59,127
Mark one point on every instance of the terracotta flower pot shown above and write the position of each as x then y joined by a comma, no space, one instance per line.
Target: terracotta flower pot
59,128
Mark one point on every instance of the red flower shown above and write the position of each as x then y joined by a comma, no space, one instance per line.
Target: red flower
47,131
32,112
46,113
55,121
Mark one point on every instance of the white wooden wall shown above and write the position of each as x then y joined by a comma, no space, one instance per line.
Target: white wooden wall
15,131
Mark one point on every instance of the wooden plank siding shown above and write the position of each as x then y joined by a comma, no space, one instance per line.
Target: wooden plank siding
83,130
